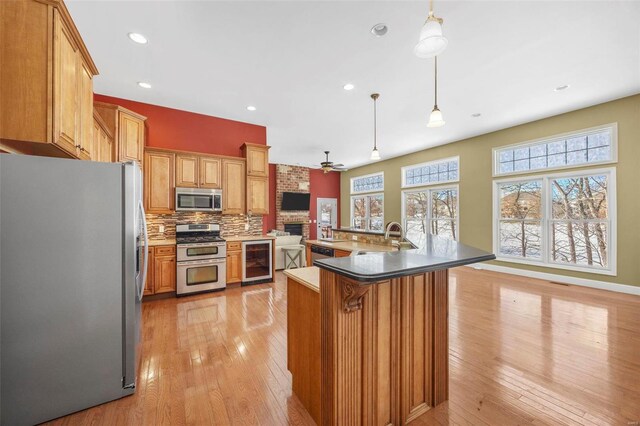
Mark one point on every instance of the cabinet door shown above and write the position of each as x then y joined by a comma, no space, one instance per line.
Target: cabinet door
86,114
96,149
148,286
341,253
233,186
257,195
130,138
257,160
106,147
186,171
158,182
66,87
210,174
164,275
234,267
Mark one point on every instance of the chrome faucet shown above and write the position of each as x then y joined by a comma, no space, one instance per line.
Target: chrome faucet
388,230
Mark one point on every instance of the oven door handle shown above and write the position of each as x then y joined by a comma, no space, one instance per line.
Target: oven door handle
143,283
201,245
202,262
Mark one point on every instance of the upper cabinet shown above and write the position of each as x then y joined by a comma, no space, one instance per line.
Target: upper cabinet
127,128
257,191
46,81
103,145
159,181
198,171
233,186
257,159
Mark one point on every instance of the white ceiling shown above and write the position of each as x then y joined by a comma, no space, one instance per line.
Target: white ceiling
291,58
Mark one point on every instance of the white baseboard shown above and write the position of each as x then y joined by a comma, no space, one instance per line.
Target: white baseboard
602,285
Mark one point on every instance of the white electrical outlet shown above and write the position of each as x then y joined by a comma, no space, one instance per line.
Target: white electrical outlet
354,237
246,226
161,228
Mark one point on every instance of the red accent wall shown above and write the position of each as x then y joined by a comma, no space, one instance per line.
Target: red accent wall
182,130
322,186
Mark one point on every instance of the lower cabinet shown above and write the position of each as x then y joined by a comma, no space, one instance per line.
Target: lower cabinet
341,253
161,275
234,262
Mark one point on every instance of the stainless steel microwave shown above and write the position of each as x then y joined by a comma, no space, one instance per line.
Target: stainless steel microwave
198,200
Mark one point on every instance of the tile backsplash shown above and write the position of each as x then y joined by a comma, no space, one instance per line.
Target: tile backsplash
230,225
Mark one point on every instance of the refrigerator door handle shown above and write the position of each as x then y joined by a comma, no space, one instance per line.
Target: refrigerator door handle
143,283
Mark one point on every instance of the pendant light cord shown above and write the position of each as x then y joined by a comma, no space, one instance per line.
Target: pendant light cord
375,125
436,82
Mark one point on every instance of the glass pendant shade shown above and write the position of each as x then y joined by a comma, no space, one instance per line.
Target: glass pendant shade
435,119
375,154
432,42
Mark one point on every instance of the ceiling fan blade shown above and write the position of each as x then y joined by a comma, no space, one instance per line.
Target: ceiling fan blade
339,168
338,165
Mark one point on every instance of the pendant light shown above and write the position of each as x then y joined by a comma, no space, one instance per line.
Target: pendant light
375,154
435,119
431,42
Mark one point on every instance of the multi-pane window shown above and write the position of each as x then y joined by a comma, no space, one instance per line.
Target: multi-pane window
592,146
368,183
367,212
434,172
563,220
430,210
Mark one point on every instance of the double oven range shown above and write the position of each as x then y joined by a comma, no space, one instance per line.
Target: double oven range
201,258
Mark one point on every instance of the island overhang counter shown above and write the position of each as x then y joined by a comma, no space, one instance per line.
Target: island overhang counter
384,333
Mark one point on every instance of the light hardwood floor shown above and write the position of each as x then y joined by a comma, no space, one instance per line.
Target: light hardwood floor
522,351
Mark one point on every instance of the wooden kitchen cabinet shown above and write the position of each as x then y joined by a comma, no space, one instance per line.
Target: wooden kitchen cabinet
257,159
127,128
159,181
233,186
164,273
341,253
210,172
234,265
257,195
46,81
187,171
198,171
103,145
148,286
161,272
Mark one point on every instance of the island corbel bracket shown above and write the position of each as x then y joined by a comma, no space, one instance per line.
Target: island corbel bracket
352,295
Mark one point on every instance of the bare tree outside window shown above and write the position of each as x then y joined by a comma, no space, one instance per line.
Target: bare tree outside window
367,212
433,211
521,219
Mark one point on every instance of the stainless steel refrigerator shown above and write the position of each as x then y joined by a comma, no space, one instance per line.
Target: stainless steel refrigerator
72,273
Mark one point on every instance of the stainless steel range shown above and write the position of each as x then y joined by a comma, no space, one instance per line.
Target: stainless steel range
201,258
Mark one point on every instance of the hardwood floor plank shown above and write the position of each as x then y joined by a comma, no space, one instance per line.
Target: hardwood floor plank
522,351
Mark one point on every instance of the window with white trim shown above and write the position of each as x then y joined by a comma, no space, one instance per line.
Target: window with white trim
433,172
430,210
367,212
564,220
587,147
368,183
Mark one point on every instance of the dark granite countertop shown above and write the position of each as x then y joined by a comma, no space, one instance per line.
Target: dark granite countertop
438,253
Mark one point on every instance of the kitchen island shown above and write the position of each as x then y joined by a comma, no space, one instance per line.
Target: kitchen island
383,333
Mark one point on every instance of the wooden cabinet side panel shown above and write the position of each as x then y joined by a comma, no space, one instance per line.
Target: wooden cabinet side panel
26,71
66,88
87,151
148,287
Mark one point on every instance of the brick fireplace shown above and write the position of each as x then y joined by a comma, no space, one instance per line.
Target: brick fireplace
291,179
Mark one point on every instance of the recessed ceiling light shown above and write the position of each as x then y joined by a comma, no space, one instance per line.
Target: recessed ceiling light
560,88
476,114
138,38
251,108
348,86
144,85
379,30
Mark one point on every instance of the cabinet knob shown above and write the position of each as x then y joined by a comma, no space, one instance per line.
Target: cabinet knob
77,146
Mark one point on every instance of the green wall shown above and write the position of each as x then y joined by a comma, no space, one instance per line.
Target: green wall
475,184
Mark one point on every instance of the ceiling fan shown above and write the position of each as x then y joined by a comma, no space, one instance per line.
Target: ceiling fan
328,166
